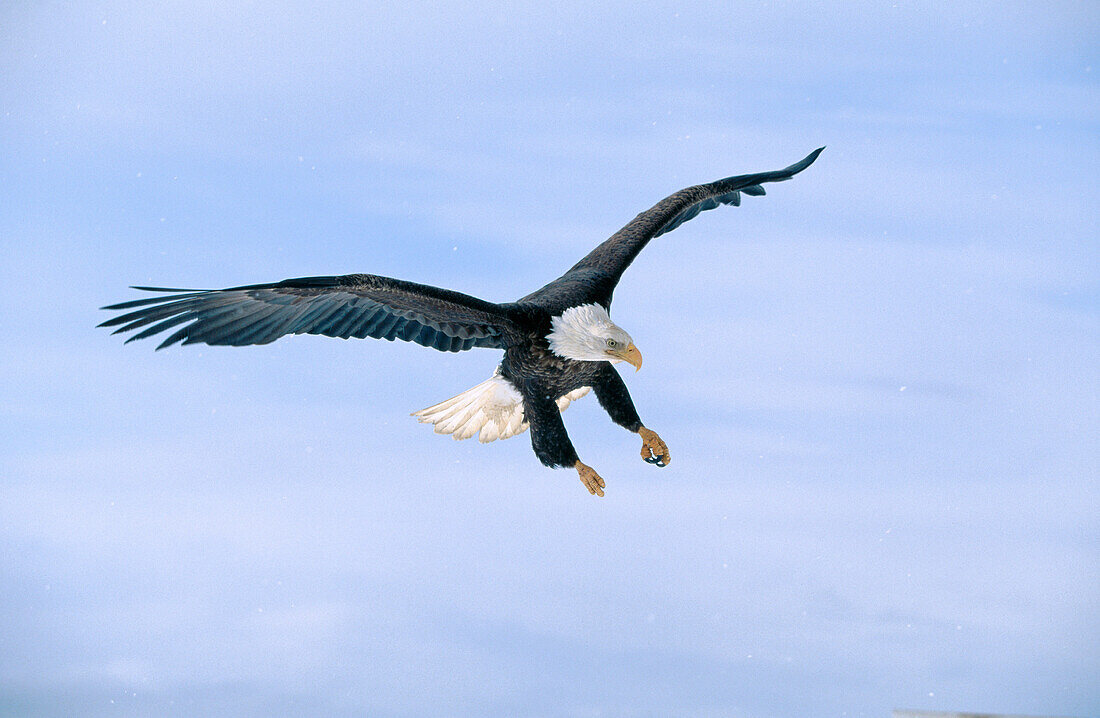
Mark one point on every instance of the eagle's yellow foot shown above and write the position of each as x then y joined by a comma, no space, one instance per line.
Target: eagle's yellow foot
654,451
590,479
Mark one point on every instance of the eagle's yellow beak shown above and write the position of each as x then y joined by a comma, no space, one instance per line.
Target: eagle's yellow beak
630,355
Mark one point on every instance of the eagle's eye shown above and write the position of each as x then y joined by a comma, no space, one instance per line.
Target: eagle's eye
611,344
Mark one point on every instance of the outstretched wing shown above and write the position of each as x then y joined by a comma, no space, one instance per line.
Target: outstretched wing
353,305
593,279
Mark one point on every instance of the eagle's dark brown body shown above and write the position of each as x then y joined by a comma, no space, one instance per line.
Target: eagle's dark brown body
542,376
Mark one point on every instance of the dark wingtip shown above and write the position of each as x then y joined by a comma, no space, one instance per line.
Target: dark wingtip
153,300
804,162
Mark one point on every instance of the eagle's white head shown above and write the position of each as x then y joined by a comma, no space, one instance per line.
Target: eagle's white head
586,333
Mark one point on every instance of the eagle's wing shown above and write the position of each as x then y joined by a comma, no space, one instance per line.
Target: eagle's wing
353,305
593,279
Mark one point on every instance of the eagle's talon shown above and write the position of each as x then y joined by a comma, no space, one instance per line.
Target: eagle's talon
654,450
591,480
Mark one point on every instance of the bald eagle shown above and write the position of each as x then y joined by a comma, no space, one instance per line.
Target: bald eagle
559,341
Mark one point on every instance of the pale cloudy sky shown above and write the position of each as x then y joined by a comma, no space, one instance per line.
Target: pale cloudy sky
879,382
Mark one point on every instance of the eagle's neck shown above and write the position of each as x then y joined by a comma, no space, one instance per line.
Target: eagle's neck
579,333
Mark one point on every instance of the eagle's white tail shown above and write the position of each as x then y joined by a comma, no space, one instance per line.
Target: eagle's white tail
494,408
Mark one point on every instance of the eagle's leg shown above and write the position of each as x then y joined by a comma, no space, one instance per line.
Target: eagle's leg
590,479
654,450
551,443
615,399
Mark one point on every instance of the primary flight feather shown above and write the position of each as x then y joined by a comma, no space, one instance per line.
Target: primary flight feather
559,341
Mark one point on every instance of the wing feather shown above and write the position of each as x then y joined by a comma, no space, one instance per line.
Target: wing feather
354,305
593,279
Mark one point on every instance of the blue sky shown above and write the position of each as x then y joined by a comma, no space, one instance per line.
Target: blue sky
878,383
